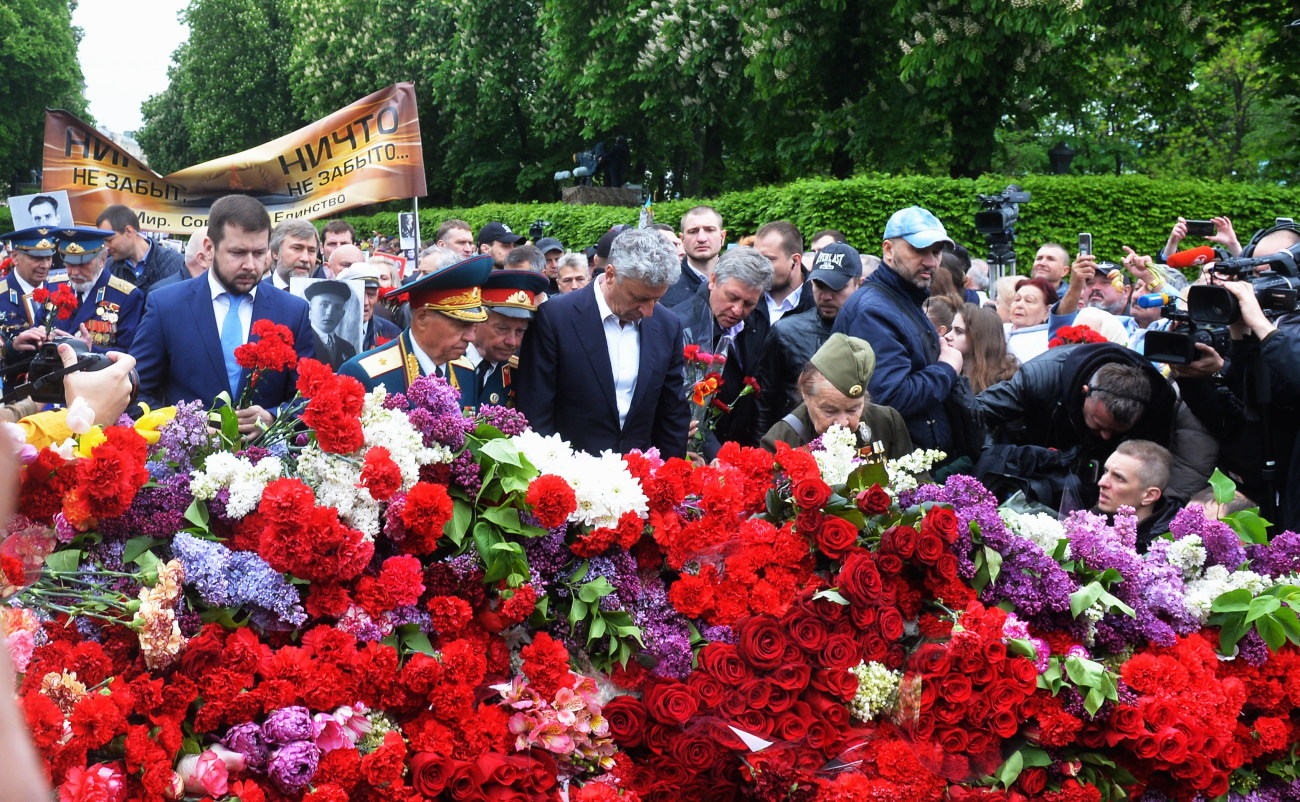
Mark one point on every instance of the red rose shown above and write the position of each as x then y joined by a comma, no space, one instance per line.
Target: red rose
929,548
956,688
762,641
807,632
1171,745
724,662
840,684
900,540
1032,780
890,622
670,702
811,494
889,563
779,699
626,716
841,651
707,688
946,566
836,536
792,677
1146,746
1126,720
756,692
874,501
953,739
943,522
792,725
808,522
695,751
430,771
931,659
859,579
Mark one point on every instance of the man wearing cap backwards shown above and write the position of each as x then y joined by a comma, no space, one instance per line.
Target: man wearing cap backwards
184,347
108,307
836,274
20,316
497,239
833,389
445,305
485,373
603,366
378,330
916,371
329,301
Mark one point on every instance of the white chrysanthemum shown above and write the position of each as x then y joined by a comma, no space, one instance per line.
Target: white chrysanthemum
245,480
1187,554
603,486
1216,581
1044,530
839,455
903,470
548,454
877,690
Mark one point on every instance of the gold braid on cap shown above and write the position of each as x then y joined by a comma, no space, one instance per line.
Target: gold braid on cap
42,245
73,248
518,299
467,306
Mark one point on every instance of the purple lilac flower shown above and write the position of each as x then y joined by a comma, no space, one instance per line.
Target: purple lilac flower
158,511
465,566
663,629
412,614
246,739
719,633
466,473
185,437
1252,649
1163,591
288,724
510,421
434,394
238,579
1222,545
447,430
396,401
254,454
1280,556
293,765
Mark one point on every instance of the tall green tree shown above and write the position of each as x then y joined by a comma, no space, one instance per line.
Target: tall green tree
229,83
38,69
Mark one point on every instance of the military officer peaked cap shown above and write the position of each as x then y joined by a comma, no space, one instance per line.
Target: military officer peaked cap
455,291
846,362
513,293
37,241
79,245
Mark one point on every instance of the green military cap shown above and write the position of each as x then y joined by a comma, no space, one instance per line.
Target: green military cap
847,363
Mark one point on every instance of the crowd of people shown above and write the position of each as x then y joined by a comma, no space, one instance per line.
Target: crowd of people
1035,383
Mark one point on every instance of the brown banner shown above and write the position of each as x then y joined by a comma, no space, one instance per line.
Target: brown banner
364,153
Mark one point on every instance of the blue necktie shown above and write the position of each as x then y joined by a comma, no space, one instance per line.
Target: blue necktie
232,336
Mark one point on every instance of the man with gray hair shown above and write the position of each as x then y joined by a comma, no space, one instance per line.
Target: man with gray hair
294,246
603,366
721,318
196,259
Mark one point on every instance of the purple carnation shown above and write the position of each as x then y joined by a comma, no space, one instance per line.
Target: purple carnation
293,765
246,739
288,724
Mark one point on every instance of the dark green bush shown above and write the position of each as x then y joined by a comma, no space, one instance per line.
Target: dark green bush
1117,210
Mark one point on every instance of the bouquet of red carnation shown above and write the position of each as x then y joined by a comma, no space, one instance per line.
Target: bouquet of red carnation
1073,335
59,305
271,350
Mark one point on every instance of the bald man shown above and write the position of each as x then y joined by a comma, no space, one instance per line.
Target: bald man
343,257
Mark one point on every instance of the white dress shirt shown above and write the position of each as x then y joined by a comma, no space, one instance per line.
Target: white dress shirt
778,309
427,366
623,341
221,305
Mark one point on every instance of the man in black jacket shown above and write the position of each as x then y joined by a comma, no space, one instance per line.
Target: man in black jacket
703,238
134,257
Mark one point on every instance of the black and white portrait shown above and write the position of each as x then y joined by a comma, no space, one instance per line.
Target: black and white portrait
44,209
336,316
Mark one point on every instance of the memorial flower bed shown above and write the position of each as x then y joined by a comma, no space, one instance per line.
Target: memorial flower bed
395,601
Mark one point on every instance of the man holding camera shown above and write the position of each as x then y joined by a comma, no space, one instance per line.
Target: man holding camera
21,317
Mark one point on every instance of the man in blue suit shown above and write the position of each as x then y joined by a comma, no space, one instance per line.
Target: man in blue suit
603,366
184,348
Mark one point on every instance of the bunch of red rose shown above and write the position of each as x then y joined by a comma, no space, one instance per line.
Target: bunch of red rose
1178,735
963,698
270,348
760,571
307,541
333,408
877,597
930,550
105,483
528,776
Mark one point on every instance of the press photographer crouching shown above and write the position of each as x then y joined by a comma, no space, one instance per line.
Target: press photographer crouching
1249,397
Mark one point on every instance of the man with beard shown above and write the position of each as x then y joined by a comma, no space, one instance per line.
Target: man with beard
293,251
782,244
185,346
108,307
835,276
702,237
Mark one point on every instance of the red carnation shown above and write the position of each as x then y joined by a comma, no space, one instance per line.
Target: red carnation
427,510
380,475
552,500
107,482
403,579
40,295
546,664
334,407
269,348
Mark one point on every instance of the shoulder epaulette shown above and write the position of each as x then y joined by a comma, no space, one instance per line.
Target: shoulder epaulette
513,362
381,362
55,278
121,285
463,362
4,285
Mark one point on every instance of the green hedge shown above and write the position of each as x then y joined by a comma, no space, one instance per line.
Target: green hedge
1117,210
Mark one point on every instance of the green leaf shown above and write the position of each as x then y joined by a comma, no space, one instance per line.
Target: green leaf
1022,647
137,546
1083,671
595,590
580,573
597,629
994,560
462,513
1010,770
1271,631
504,451
1113,603
197,514
64,561
1261,606
1230,632
417,641
1249,526
577,612
1224,488
831,594
147,561
1234,601
1290,623
1084,597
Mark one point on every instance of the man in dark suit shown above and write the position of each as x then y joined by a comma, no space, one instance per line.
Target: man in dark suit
329,301
486,372
724,318
184,347
602,366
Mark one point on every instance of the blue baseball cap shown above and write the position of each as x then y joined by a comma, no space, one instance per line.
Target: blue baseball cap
918,226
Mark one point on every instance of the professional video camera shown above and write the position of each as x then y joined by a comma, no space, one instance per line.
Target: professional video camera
538,229
997,221
45,372
1210,309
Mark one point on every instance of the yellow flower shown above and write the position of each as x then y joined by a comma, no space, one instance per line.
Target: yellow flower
152,421
87,442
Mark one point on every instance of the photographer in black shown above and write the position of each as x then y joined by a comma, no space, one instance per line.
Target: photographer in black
1250,401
